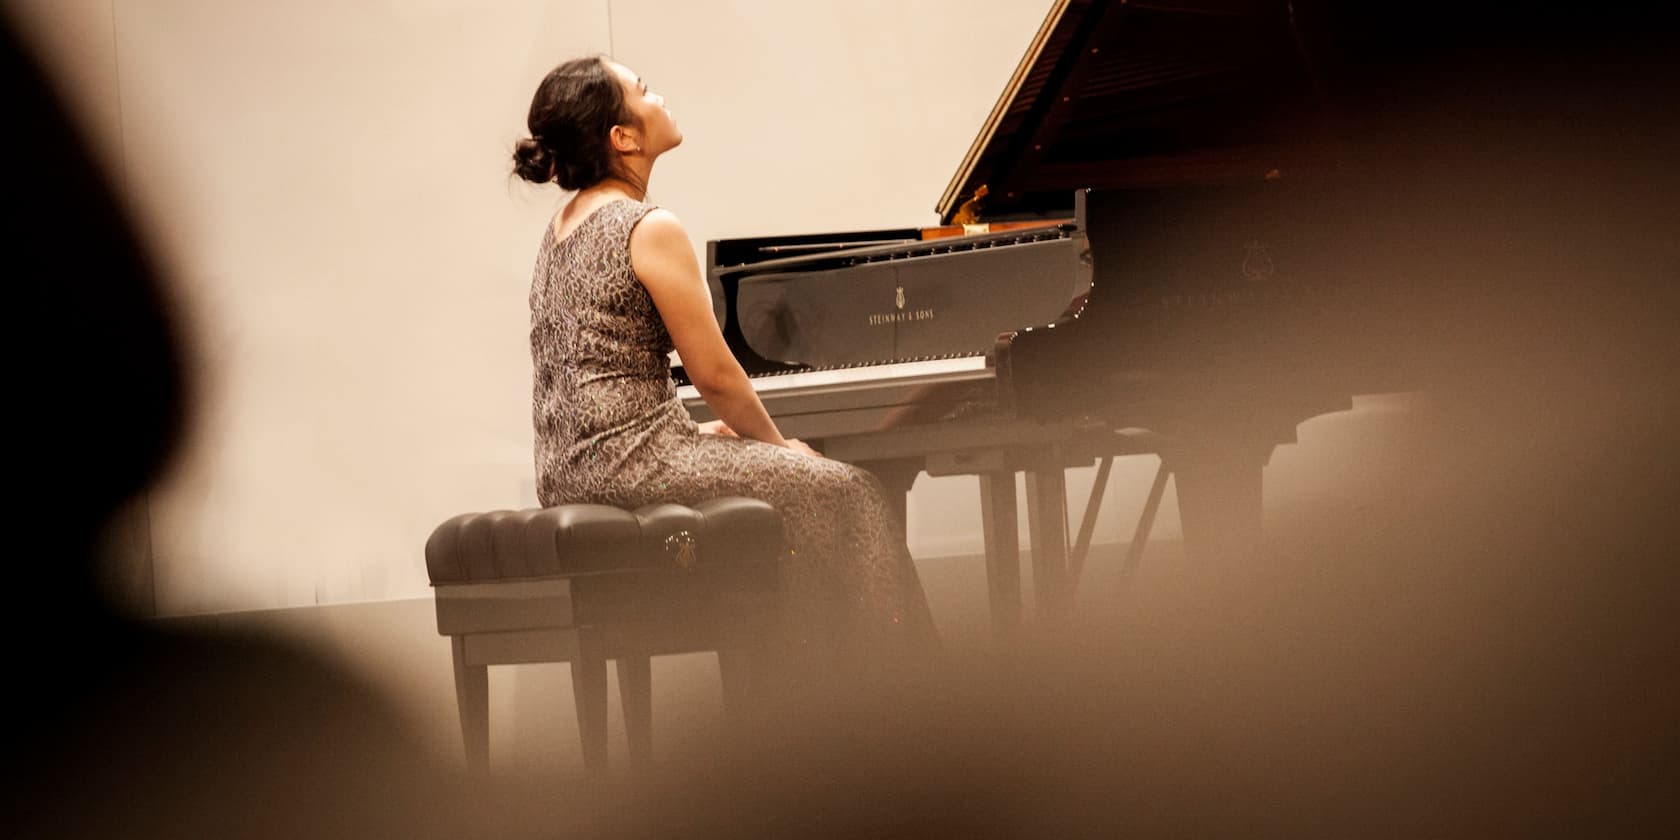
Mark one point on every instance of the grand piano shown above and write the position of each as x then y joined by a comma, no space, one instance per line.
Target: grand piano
1154,245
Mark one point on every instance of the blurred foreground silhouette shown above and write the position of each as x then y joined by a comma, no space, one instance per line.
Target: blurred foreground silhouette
120,728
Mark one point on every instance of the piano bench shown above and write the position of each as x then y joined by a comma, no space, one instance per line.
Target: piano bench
587,583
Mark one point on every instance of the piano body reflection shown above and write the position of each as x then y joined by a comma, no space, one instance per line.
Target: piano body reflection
1151,247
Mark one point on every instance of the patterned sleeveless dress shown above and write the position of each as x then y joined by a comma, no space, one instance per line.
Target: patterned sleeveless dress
610,430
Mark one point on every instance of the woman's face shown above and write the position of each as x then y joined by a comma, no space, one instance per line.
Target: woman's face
659,129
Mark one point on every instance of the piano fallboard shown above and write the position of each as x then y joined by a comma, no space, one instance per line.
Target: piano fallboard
887,304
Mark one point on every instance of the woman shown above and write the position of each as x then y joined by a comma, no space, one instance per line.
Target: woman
616,287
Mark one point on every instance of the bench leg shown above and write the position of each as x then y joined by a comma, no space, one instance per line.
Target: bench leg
635,691
472,701
589,690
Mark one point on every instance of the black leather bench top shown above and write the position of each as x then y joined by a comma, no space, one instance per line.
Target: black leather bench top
568,540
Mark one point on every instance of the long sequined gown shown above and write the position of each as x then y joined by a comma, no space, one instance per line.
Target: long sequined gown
610,430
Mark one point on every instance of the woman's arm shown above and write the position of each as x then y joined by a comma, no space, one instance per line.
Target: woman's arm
664,263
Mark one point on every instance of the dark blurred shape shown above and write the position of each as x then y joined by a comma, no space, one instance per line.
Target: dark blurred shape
1523,162
101,372
120,728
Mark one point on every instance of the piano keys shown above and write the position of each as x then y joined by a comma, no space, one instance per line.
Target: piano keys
823,402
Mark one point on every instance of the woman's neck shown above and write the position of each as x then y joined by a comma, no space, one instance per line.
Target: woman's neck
619,190
632,184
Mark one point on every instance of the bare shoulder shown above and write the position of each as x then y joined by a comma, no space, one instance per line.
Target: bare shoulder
659,229
660,253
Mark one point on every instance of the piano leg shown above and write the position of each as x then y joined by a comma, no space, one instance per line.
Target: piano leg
1220,501
896,478
1047,522
1003,552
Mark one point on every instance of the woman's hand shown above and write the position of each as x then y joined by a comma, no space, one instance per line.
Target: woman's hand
802,448
717,427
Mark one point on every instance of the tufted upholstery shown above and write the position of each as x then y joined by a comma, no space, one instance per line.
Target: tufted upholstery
579,539
586,583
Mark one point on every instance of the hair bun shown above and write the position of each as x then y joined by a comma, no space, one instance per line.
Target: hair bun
533,161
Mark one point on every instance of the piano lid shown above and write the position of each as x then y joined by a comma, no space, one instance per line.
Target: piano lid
1122,93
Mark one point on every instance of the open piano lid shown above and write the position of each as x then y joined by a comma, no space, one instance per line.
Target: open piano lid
1118,93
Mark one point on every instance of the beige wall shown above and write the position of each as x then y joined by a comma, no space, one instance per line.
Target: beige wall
330,181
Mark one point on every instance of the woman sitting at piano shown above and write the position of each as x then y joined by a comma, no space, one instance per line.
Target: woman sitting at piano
616,287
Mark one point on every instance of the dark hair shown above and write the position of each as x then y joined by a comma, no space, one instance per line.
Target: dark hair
573,111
